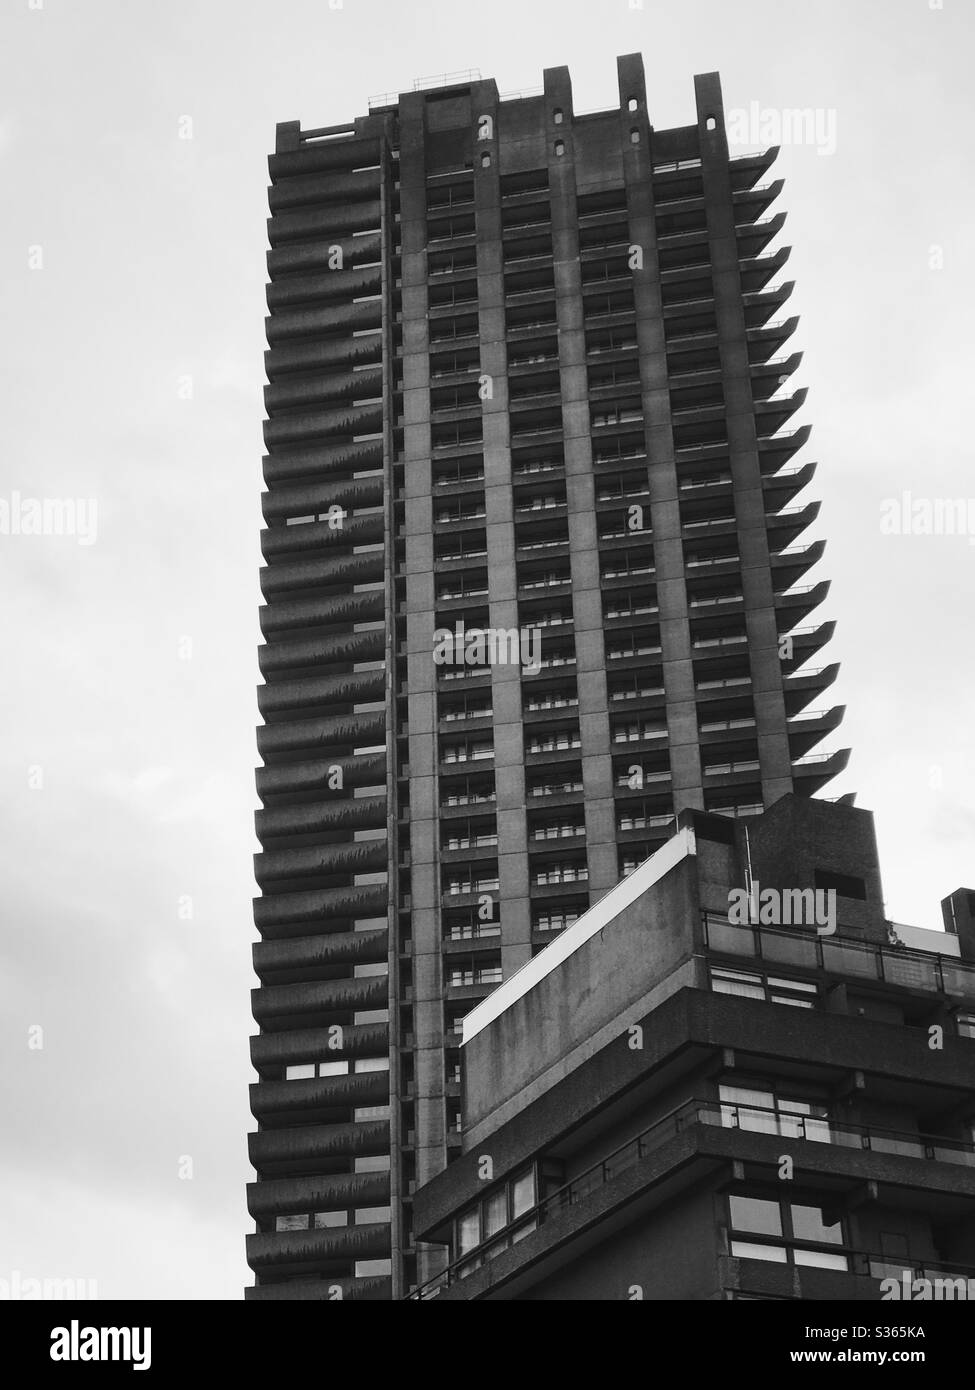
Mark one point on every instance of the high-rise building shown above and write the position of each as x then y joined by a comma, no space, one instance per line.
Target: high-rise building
733,1078
527,386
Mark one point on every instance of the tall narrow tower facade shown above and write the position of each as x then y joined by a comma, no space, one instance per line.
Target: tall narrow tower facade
534,585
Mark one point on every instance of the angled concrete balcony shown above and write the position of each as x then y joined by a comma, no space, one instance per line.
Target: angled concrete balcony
280,1005
805,643
318,861
307,653
321,255
290,616
766,343
805,686
317,355
320,572
808,729
811,774
322,777
769,376
789,566
756,236
757,271
313,189
287,1251
325,732
332,1192
786,526
334,155
294,541
780,488
317,694
302,393
309,427
310,224
290,465
772,415
776,451
322,951
311,817
761,306
323,286
299,499
746,169
287,1102
796,605
309,1144
286,325
270,1052
753,203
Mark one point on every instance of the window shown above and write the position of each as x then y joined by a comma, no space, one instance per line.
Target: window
801,994
558,116
844,885
711,123
634,136
559,148
764,1111
506,1205
789,1232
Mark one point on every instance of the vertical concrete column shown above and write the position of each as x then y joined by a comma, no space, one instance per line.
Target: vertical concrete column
675,632
420,608
749,500
387,240
509,750
587,611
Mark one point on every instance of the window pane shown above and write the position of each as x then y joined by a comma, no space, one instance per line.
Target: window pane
756,1214
468,1231
291,1223
372,1064
495,1212
522,1194
808,1224
299,1072
366,1216
746,1251
333,1068
324,1219
820,1259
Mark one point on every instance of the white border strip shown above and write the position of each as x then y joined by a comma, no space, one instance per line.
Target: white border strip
599,916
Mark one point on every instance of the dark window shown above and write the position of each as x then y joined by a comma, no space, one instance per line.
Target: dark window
846,885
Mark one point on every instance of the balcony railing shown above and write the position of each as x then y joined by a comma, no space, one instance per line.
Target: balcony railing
696,1112
842,956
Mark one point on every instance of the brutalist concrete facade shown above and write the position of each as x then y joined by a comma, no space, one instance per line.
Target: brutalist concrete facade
668,1104
526,374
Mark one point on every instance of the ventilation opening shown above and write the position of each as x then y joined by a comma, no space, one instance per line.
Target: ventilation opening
560,147
712,123
845,885
632,104
557,115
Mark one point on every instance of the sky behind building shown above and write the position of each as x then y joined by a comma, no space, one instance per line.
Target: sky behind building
133,141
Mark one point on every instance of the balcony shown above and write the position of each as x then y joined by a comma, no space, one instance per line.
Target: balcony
845,959
587,1189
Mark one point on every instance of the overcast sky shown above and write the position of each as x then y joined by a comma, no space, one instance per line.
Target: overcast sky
132,340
